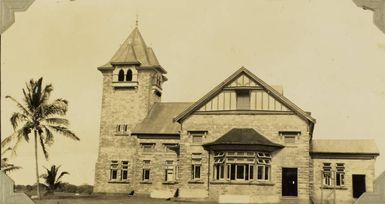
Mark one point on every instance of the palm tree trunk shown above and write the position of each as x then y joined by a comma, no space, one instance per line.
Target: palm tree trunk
37,168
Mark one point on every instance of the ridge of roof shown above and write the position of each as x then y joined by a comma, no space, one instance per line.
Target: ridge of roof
228,80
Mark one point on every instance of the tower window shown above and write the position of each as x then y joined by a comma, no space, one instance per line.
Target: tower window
121,75
129,75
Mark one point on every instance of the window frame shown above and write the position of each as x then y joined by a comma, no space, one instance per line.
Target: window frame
114,168
124,170
242,166
146,170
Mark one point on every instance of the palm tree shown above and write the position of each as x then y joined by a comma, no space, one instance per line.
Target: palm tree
38,116
52,183
5,166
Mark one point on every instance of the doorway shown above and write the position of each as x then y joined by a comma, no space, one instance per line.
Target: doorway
359,185
289,182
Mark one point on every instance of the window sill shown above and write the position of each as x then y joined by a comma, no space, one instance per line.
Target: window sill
262,183
196,144
196,181
337,187
122,134
169,182
145,182
122,182
124,84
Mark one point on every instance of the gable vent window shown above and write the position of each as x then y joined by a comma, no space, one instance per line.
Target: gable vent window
121,75
243,99
289,137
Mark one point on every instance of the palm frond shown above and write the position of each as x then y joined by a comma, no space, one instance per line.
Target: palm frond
57,121
46,92
10,168
57,107
49,139
16,118
64,131
6,150
36,93
43,147
61,175
19,105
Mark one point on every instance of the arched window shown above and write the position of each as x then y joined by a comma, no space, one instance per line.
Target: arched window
129,75
121,75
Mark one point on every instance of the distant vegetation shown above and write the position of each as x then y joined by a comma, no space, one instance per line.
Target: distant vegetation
64,187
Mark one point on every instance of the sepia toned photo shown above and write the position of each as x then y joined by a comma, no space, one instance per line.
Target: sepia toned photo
127,101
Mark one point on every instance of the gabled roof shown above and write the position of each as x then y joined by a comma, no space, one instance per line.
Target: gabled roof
160,119
279,97
328,146
243,137
134,51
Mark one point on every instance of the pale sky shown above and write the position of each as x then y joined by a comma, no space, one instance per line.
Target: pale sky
327,54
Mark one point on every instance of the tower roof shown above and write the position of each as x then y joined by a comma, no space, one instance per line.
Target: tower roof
134,51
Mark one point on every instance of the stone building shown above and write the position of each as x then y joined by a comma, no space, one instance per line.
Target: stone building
243,142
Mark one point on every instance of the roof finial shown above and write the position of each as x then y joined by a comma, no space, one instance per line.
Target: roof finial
137,20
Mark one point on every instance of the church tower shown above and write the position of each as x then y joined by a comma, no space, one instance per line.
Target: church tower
132,83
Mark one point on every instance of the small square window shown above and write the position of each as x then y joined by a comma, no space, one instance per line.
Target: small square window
197,136
289,137
147,147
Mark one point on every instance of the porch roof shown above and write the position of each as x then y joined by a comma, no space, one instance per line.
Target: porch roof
245,139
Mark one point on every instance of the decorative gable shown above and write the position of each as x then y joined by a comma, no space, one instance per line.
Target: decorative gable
243,93
243,81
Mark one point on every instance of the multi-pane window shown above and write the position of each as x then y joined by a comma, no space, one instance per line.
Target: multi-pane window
169,171
196,163
122,129
289,136
327,174
147,147
340,174
114,170
242,166
146,170
124,170
119,170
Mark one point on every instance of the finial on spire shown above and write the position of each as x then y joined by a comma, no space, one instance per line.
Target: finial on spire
137,20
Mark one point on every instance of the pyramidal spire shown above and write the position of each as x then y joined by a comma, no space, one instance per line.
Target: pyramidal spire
134,51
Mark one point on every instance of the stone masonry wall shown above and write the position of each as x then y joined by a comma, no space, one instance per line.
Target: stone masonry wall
344,195
296,156
120,106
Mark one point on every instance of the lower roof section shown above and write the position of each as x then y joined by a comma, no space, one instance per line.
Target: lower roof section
159,120
344,148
